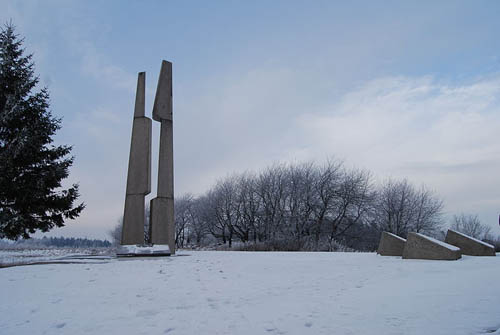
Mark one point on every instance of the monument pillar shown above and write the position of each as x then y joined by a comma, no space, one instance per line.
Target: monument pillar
139,170
162,226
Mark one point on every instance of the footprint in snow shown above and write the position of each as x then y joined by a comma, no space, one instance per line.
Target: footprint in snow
60,325
146,313
492,330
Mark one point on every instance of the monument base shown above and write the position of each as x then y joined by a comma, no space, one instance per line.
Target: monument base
143,250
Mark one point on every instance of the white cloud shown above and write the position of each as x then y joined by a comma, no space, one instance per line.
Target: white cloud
443,135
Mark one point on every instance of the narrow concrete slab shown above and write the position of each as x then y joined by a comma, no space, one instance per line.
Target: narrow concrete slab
162,207
162,222
139,170
140,96
166,161
419,246
139,166
391,245
163,105
133,219
469,245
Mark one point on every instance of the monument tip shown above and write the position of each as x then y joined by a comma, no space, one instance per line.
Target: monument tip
162,107
140,96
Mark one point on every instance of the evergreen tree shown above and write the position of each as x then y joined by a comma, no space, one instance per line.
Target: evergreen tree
31,167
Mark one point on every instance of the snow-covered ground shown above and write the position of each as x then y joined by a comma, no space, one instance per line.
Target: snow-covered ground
203,292
9,257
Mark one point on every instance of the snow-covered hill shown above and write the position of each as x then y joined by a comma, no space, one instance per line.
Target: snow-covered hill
253,293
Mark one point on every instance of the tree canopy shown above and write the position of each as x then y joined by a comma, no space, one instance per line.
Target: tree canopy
31,166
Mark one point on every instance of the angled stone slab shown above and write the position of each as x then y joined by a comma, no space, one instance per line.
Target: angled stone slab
140,96
469,245
139,166
419,246
391,245
139,163
162,207
139,170
166,161
162,222
133,219
163,105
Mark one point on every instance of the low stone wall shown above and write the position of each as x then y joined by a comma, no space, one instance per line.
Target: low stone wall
469,245
391,245
419,246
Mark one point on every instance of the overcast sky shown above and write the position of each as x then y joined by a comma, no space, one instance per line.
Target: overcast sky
401,89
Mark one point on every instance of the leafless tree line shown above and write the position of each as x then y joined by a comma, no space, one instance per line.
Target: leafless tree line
470,224
310,207
314,207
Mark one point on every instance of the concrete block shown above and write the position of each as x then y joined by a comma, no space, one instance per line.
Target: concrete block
166,161
162,222
391,245
139,170
419,246
142,250
163,105
469,245
140,96
139,166
133,219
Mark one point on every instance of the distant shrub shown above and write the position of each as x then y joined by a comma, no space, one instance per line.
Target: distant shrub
292,245
55,242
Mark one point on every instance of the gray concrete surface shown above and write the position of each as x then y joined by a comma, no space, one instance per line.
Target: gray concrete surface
163,105
139,170
391,245
162,207
419,246
469,245
162,214
139,166
133,219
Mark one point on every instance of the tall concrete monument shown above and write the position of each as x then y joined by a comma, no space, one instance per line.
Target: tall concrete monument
162,207
139,170
161,224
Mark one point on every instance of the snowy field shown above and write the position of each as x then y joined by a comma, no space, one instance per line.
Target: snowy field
210,292
9,257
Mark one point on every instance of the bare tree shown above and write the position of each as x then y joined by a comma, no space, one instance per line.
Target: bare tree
470,224
308,206
201,219
271,190
116,233
183,218
428,213
352,204
400,208
298,200
250,207
393,209
326,185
